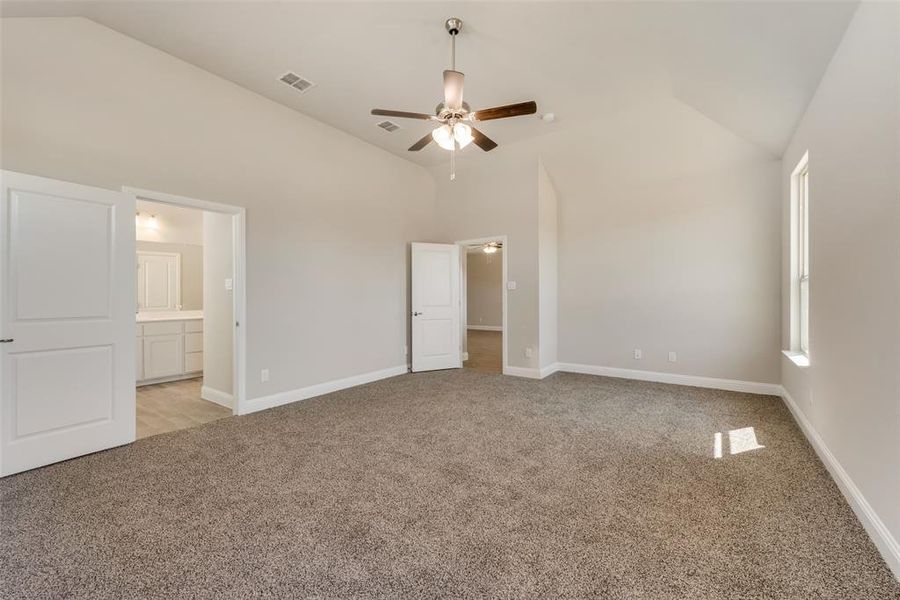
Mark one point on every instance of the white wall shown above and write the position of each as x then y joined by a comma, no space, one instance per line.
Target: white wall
850,393
495,194
484,289
548,251
669,229
668,236
191,270
218,313
328,216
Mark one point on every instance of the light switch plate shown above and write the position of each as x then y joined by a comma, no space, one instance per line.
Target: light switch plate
510,285
229,284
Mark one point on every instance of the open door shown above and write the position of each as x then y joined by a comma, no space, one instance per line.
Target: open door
435,305
67,299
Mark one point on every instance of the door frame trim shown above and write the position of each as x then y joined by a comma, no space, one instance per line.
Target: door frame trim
239,306
505,253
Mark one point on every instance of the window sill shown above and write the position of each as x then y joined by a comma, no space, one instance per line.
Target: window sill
798,358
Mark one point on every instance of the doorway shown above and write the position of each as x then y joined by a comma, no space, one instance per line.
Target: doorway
189,312
68,306
484,268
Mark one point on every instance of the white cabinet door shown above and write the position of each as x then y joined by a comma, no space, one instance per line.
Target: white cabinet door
435,304
163,356
193,362
158,280
67,307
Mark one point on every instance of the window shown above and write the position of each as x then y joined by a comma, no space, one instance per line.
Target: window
800,258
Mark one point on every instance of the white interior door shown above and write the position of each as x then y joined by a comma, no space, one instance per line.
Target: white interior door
67,318
158,280
436,308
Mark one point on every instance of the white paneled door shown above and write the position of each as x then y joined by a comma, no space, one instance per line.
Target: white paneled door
67,320
435,306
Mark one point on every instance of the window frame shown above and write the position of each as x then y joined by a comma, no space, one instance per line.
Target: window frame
800,259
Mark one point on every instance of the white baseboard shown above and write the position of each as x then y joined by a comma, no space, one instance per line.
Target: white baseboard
549,370
733,385
484,327
875,527
264,402
217,396
531,373
171,379
522,372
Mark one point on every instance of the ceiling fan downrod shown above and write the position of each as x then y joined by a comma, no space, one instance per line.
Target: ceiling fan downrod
453,26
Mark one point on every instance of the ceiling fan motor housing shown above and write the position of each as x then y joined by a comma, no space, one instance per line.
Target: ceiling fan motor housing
441,111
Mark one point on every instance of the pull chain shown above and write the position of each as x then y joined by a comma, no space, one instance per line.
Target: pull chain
453,162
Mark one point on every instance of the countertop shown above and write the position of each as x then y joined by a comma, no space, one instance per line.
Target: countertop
173,315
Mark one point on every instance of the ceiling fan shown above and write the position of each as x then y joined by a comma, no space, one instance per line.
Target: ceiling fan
454,115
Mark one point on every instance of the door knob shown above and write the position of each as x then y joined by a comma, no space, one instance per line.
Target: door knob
6,341
416,314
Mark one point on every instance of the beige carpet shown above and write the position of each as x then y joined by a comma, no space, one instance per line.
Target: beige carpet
452,484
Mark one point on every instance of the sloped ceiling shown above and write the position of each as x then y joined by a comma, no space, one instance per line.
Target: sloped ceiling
749,66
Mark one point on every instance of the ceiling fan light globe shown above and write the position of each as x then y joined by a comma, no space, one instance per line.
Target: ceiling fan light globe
443,135
463,134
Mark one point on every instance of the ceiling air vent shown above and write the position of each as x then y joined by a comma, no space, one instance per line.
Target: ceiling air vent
295,81
388,126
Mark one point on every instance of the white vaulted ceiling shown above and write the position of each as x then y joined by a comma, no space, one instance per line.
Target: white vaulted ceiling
749,66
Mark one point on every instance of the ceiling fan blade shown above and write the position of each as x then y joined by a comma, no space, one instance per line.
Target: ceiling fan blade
453,89
402,114
502,112
421,143
483,141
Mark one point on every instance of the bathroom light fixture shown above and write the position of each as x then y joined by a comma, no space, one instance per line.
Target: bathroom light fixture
150,222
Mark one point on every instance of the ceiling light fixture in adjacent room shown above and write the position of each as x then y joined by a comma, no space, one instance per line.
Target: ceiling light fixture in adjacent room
491,247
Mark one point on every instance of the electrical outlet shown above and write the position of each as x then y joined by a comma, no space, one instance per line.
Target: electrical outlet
405,351
264,375
637,354
528,352
672,357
